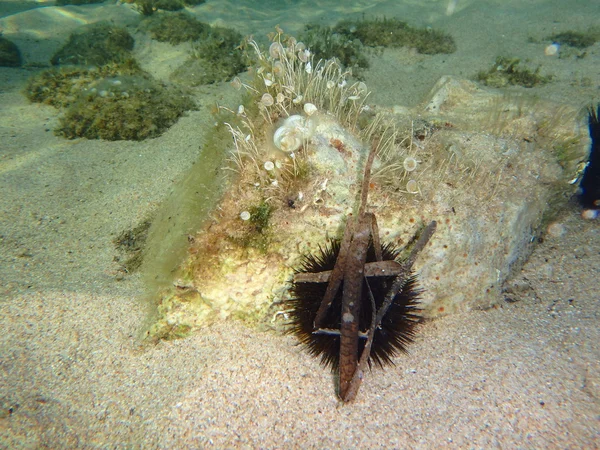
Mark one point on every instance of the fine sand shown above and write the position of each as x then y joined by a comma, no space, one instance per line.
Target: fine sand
74,374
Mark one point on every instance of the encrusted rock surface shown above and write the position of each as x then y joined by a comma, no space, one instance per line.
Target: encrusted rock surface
491,171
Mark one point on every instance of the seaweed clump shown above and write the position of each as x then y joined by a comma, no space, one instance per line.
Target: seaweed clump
149,7
135,109
61,86
175,28
77,2
216,56
114,99
257,235
130,244
396,33
10,56
347,41
576,39
96,44
325,43
506,71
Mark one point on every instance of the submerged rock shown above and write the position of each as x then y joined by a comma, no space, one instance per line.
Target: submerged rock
490,169
10,56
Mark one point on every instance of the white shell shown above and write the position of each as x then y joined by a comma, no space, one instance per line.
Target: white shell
310,109
245,215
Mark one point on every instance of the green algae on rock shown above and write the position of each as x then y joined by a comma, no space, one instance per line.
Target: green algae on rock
215,57
507,71
577,39
136,111
215,54
396,33
348,40
10,56
175,28
149,7
96,44
113,102
326,43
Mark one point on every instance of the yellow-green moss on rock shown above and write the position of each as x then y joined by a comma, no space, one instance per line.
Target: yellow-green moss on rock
96,44
396,33
508,71
215,57
112,102
135,114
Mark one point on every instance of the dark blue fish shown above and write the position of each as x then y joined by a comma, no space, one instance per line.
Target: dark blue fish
589,195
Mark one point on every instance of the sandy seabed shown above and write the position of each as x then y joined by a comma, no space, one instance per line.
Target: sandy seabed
73,373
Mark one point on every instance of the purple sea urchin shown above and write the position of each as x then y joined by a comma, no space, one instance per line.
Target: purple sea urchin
397,327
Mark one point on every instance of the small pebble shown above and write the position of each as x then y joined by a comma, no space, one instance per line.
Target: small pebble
556,230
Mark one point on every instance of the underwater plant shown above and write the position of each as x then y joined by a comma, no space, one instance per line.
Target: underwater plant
175,28
325,43
506,71
96,44
291,88
61,87
348,40
132,113
576,39
103,90
113,102
149,7
77,2
215,57
396,33
129,245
